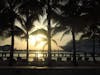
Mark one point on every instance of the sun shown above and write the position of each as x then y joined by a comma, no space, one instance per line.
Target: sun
32,40
36,41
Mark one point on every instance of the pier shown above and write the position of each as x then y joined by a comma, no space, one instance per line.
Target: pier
55,55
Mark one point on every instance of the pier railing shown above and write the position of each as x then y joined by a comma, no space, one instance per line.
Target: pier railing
63,55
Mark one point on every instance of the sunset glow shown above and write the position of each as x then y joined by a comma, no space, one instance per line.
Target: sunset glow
37,41
39,54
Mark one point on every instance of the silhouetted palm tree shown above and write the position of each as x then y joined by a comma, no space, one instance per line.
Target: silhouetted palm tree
71,21
24,29
52,8
29,11
92,32
9,14
77,15
93,17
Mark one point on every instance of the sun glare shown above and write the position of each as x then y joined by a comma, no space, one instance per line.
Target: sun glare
39,55
32,40
36,41
39,37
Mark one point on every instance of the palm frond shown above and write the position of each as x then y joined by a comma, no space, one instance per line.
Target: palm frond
52,32
45,45
40,31
7,33
30,6
24,36
29,22
56,17
45,39
54,41
58,29
20,19
45,21
18,31
36,43
17,3
65,32
86,35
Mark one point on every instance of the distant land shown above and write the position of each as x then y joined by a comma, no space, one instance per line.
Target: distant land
83,46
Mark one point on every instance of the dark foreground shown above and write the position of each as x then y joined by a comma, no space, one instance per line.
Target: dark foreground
28,70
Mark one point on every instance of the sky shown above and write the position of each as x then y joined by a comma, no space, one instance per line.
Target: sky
21,43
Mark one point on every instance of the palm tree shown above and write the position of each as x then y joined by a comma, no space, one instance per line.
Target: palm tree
76,16
92,32
18,11
29,12
9,14
49,32
51,7
70,21
93,19
24,29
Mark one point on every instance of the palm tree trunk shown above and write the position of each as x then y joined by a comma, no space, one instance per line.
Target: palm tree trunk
94,32
93,54
27,51
74,47
12,45
49,34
